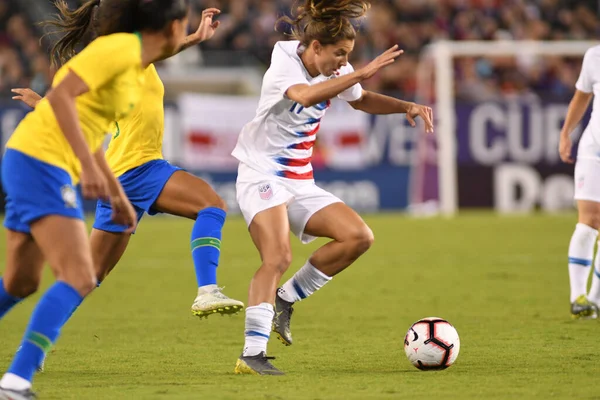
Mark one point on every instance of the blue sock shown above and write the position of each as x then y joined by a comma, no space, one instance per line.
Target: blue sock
206,244
51,313
7,301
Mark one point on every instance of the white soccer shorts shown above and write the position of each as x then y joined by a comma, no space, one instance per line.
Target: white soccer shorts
257,191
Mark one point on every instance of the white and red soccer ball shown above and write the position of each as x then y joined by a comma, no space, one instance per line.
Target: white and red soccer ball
432,344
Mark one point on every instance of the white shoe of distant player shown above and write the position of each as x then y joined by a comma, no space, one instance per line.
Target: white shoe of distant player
213,302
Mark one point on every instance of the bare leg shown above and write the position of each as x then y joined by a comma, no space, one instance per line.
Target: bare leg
188,196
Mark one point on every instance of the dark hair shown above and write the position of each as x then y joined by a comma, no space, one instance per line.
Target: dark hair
327,21
116,16
105,17
73,25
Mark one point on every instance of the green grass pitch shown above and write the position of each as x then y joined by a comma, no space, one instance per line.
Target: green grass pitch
502,282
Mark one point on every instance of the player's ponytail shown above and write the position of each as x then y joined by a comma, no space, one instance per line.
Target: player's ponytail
105,17
327,21
73,25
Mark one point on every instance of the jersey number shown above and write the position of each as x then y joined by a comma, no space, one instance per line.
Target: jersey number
118,131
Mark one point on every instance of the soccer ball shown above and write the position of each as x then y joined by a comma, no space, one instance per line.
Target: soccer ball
432,344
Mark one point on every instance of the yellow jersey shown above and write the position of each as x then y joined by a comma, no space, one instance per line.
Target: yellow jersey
139,136
111,67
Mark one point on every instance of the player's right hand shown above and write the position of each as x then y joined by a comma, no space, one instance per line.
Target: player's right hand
385,59
27,96
565,146
93,183
123,212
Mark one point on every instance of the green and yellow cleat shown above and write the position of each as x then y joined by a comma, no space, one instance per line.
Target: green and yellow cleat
582,308
256,365
215,303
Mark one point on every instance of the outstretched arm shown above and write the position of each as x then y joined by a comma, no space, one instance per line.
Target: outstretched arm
27,96
309,95
375,103
205,31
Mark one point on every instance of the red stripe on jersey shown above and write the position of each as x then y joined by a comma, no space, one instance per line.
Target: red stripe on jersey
297,162
311,133
295,175
303,145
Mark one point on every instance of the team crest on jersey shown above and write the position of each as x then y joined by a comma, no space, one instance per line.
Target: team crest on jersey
69,196
265,192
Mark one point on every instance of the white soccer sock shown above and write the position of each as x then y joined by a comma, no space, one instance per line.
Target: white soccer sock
14,382
304,283
259,320
594,295
581,253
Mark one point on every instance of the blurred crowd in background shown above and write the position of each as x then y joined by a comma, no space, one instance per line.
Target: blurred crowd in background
247,35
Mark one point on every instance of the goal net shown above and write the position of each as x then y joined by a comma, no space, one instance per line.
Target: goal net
499,108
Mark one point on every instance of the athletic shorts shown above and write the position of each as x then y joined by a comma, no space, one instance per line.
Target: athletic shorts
257,191
587,169
142,185
35,189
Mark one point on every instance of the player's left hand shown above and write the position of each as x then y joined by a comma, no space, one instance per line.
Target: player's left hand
207,27
426,113
565,146
27,96
123,212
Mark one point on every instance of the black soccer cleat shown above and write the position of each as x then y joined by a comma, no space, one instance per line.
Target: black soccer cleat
281,320
582,308
256,365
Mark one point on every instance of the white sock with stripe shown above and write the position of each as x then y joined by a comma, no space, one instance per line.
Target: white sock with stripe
594,295
305,282
581,253
259,320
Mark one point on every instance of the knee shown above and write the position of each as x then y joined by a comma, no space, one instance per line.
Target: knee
278,262
591,219
361,239
81,276
215,202
84,284
22,288
220,203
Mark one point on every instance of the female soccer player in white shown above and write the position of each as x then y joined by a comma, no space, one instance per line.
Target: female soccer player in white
587,187
275,186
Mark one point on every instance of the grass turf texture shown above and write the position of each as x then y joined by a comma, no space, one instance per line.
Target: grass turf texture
502,282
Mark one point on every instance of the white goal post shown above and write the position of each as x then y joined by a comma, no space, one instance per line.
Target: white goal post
438,59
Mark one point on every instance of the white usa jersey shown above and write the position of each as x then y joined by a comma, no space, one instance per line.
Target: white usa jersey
589,82
280,138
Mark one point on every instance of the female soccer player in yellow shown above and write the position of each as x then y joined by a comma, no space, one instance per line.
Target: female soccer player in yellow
57,146
152,184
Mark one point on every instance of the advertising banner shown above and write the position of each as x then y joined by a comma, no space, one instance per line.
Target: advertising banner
508,157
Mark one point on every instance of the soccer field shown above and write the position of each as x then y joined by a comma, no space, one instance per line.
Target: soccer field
501,281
